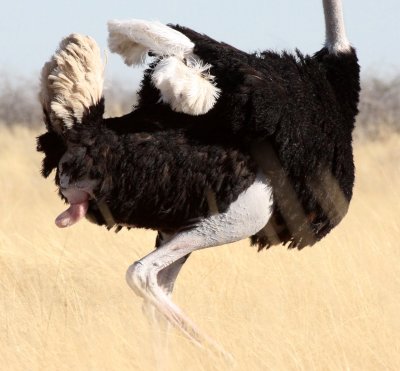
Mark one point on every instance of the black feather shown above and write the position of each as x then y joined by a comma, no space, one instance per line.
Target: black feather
290,115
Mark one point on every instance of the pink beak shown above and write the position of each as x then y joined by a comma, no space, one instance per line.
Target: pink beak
79,203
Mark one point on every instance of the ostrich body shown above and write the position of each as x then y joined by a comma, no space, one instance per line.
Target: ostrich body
222,145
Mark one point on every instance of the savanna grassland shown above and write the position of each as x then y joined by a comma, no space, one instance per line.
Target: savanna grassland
65,304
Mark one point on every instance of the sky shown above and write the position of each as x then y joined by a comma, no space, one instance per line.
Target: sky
31,30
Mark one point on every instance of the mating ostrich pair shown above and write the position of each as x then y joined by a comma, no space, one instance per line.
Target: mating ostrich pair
221,146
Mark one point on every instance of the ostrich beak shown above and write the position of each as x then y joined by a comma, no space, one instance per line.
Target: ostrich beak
79,203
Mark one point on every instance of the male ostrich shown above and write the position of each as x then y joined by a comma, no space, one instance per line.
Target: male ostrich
222,145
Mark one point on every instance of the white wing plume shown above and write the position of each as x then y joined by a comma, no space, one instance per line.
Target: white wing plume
183,79
71,81
133,39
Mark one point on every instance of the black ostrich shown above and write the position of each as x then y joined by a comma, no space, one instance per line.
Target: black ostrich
222,145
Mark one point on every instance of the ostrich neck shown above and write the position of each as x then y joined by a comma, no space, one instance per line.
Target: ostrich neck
336,40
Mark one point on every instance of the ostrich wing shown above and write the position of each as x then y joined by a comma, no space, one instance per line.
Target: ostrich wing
70,93
134,39
209,49
71,82
183,79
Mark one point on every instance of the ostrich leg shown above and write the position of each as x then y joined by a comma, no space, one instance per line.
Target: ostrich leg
167,276
159,324
244,217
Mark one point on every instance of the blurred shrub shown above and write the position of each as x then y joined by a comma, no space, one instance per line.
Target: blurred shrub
379,103
119,98
19,102
379,107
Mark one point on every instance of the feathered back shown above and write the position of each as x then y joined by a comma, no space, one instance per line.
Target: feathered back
71,82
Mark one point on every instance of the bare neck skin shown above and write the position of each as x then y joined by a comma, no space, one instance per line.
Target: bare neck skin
335,36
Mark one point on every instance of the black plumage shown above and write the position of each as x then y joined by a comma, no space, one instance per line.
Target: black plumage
290,115
222,145
295,114
152,178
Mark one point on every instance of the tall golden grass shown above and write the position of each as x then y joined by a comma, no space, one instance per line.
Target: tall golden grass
65,304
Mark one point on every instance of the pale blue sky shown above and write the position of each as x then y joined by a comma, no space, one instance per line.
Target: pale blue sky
31,30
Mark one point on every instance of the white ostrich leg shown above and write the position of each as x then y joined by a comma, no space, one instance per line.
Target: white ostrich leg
244,217
160,326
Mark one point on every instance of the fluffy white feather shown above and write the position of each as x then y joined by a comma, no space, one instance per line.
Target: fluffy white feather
72,81
133,39
183,80
187,88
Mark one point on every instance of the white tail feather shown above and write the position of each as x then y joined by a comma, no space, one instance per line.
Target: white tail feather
72,81
133,39
186,88
183,80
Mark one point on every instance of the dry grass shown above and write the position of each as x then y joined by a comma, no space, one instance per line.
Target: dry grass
65,304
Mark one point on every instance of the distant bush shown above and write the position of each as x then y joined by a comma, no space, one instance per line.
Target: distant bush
379,103
119,99
379,107
19,102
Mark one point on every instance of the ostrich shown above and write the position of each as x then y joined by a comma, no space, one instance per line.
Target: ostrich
223,145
